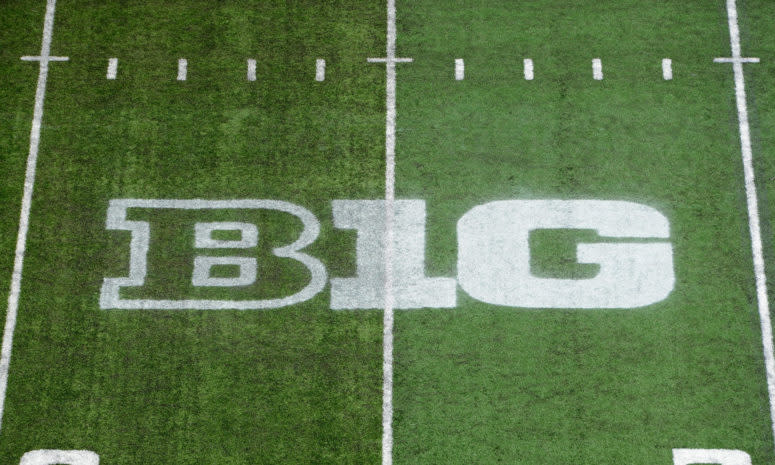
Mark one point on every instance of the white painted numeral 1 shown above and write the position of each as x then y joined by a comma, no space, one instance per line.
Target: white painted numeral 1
411,288
494,254
710,456
60,457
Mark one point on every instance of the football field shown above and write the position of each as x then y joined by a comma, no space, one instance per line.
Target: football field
243,232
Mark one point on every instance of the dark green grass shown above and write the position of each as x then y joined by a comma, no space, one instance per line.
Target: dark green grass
293,385
483,384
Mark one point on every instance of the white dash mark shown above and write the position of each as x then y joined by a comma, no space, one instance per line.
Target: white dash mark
251,69
182,69
24,217
112,68
667,69
320,70
597,69
754,226
460,69
528,64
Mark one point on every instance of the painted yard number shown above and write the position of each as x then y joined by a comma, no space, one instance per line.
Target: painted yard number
493,255
680,457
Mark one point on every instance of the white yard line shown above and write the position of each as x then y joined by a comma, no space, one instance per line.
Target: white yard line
528,65
182,69
753,206
460,69
112,68
251,69
390,197
320,70
390,61
24,217
667,69
597,69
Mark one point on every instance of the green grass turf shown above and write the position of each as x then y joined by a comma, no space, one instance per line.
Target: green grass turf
17,95
295,385
483,384
475,384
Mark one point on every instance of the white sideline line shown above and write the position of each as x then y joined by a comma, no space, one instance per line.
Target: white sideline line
597,69
753,206
667,69
320,70
112,68
24,217
460,69
251,69
182,69
528,65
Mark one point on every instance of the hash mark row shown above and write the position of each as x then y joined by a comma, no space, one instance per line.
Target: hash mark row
459,66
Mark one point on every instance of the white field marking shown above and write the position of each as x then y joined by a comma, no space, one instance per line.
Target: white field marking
112,68
251,69
40,57
182,69
597,69
736,60
203,266
320,70
710,456
667,69
390,61
494,254
411,288
60,457
753,205
203,235
528,65
138,251
460,69
24,217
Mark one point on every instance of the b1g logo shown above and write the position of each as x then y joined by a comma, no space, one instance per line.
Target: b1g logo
493,262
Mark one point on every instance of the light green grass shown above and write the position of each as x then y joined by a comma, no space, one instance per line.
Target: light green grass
486,384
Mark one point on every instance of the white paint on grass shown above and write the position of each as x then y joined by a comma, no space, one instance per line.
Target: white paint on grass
411,289
460,69
203,266
24,217
390,61
251,69
736,60
112,68
494,254
320,70
667,69
710,456
203,235
138,254
182,69
60,457
597,69
40,57
754,226
528,68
